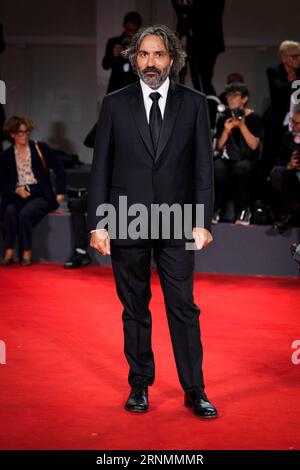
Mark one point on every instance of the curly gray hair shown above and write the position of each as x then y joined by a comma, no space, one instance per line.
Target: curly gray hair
171,41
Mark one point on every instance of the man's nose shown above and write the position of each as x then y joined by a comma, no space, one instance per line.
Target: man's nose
151,60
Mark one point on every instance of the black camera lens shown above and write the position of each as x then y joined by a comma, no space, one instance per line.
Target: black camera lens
238,113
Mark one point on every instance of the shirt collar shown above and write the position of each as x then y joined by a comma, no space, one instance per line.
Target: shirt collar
162,90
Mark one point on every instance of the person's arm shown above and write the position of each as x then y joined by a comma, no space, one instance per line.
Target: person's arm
100,179
225,133
251,140
203,175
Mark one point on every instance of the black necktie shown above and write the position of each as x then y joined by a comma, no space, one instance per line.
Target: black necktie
155,119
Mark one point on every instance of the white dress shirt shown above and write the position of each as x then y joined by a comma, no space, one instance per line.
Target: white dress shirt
162,90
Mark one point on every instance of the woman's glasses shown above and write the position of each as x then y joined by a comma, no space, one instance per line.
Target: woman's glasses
23,133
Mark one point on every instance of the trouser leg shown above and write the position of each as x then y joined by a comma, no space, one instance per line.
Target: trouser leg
132,271
176,271
29,216
10,226
78,208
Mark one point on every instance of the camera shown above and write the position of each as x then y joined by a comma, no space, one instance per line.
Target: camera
236,113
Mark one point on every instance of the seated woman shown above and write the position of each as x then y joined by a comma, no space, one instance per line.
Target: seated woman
27,195
238,134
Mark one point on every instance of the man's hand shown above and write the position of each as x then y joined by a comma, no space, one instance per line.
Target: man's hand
238,123
21,191
100,241
60,198
202,237
117,50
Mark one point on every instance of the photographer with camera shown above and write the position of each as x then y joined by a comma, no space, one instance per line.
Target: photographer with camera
285,176
238,134
121,70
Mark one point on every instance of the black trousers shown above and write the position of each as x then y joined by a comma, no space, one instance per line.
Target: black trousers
237,179
78,208
20,217
131,266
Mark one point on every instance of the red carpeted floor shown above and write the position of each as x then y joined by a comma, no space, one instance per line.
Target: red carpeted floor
65,379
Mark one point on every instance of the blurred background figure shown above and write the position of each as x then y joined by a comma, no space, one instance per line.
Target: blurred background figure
80,256
199,26
285,176
280,81
121,70
295,250
27,195
238,135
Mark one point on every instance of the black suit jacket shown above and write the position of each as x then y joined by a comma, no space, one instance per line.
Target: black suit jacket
124,163
9,176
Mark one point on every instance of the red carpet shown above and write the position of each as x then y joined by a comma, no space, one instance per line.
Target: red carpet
65,379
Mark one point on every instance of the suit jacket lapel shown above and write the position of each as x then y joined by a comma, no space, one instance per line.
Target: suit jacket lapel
139,113
174,99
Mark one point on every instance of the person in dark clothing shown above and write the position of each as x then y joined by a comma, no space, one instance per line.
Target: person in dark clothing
121,70
80,256
27,195
280,81
239,133
201,24
2,42
285,176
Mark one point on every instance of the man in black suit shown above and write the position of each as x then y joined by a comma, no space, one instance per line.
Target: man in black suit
153,146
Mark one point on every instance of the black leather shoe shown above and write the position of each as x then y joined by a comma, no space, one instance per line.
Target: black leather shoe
26,262
200,405
78,260
7,261
138,400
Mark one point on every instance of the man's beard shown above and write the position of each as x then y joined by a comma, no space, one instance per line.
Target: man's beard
157,79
